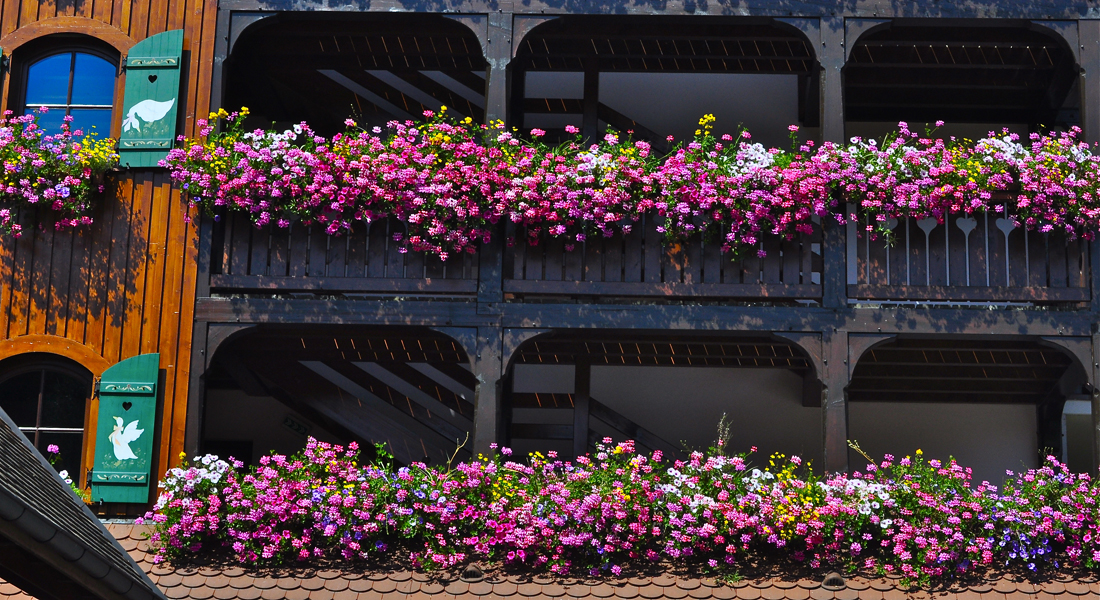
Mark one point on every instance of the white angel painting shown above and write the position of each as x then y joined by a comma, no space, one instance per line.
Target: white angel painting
147,111
121,438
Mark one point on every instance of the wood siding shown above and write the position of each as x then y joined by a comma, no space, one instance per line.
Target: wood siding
126,284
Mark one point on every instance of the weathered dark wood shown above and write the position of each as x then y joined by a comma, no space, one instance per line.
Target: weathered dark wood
581,407
727,290
970,294
246,283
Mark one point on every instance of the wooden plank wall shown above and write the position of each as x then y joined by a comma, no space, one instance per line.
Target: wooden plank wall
126,284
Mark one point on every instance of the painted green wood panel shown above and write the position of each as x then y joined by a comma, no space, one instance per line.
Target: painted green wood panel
151,99
125,430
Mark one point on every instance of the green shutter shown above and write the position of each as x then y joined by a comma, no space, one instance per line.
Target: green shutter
151,99
125,430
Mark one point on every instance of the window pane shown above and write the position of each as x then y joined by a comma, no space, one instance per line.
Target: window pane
70,445
19,398
63,401
48,81
92,120
51,121
93,80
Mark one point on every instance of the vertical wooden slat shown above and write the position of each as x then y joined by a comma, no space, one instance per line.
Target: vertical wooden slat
18,297
712,262
937,263
574,261
239,245
395,259
918,274
750,266
318,250
357,252
996,260
337,255
136,265
1037,259
519,254
280,249
862,258
156,269
117,280
693,255
259,250
39,305
959,253
554,261
653,249
632,254
298,259
1056,247
100,255
791,261
673,260
977,252
593,263
1077,263
1017,258
79,278
613,258
876,261
377,238
61,268
773,260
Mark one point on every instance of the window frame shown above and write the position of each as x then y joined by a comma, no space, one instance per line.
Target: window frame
52,45
46,362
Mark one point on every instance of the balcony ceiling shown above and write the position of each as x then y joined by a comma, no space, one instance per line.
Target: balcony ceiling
922,370
979,75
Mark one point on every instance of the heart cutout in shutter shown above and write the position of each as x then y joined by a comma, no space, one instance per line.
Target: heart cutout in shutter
127,405
152,78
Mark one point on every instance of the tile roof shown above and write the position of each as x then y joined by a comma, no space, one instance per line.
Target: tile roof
42,516
230,582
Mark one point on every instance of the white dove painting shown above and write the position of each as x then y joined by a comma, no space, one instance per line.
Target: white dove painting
121,438
147,111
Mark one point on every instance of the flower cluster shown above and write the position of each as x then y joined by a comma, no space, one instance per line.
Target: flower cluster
451,181
59,171
53,456
923,520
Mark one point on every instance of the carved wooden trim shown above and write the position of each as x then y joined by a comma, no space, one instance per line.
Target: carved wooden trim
52,344
89,27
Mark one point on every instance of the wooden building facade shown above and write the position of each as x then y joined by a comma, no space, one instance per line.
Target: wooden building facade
352,337
77,301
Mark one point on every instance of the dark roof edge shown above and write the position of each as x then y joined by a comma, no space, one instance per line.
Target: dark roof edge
28,528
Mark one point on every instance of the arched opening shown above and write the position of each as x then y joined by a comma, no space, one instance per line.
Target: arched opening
47,397
975,76
372,68
586,71
408,388
666,392
994,405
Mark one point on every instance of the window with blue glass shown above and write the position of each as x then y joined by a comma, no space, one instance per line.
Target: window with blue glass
74,83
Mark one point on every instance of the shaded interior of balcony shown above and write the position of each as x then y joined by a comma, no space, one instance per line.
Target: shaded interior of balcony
974,77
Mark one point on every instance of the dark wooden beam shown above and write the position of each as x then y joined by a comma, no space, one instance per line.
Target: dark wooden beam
582,383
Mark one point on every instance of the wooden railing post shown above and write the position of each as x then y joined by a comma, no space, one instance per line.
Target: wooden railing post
488,366
581,404
835,401
830,53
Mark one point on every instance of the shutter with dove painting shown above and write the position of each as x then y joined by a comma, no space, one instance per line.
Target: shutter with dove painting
127,395
151,99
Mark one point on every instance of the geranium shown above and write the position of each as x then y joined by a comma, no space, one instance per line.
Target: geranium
57,171
450,181
922,519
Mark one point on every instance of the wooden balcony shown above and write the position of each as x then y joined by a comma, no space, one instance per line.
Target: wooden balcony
307,260
641,264
981,258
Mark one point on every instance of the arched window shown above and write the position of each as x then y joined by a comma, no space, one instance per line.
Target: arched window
47,398
70,80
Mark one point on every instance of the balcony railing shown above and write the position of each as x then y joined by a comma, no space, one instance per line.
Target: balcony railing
979,258
306,259
641,263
